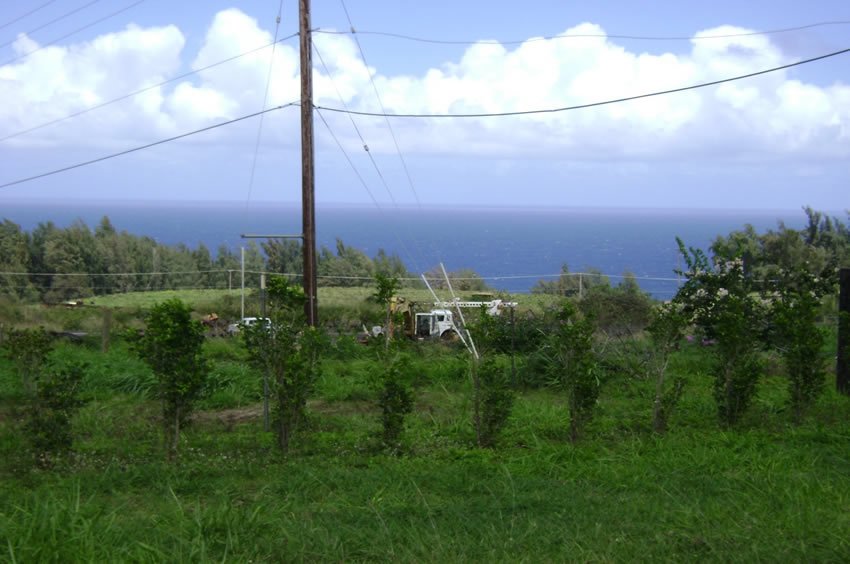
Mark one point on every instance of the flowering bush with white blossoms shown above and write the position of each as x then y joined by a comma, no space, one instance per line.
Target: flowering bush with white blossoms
720,302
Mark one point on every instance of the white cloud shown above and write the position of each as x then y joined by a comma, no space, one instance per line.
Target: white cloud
771,116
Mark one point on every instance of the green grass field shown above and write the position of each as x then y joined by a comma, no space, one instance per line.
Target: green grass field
328,297
763,491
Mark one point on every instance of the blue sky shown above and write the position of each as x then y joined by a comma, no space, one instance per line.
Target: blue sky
773,142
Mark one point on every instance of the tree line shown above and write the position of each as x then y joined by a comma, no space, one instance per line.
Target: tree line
54,264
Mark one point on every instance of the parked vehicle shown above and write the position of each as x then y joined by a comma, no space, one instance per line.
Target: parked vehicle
235,328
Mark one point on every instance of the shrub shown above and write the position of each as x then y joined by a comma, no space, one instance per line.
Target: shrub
577,366
287,352
721,302
497,399
794,313
28,349
172,345
620,310
49,418
395,401
665,331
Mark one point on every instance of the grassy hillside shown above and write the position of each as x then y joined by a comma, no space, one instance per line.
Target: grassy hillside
762,491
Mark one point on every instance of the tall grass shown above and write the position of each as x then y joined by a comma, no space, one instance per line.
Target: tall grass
765,490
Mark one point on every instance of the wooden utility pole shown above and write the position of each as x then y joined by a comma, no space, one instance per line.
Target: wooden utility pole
842,368
308,181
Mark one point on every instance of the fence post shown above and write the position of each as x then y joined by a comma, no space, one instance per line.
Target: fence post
106,330
842,368
513,348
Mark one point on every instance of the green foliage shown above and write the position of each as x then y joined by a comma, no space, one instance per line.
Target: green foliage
794,312
284,256
463,280
288,353
172,345
577,366
14,256
818,248
497,399
385,289
666,331
348,267
395,401
571,283
49,417
620,310
722,303
28,349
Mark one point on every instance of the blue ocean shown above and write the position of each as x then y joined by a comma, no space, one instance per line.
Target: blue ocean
512,247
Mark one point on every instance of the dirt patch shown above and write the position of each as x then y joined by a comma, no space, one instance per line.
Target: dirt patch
230,417
239,415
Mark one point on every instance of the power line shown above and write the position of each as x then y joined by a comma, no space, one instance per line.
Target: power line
383,110
67,35
22,16
218,271
592,104
356,129
263,107
145,89
582,35
361,179
359,134
224,270
389,125
145,146
54,20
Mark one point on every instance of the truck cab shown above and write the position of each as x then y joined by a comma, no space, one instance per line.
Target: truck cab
436,323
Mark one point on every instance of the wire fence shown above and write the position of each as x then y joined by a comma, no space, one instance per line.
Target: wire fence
232,279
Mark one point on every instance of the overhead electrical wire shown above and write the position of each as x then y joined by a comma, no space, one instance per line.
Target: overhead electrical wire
384,114
496,114
354,32
22,16
362,181
360,135
263,107
464,278
389,127
383,110
145,89
145,146
53,21
356,129
69,34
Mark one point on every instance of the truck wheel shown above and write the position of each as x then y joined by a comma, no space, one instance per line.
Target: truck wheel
449,336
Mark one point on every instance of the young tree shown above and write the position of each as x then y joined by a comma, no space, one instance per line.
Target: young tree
795,306
665,331
496,401
493,394
50,413
395,401
289,352
722,303
172,345
28,349
385,288
578,366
